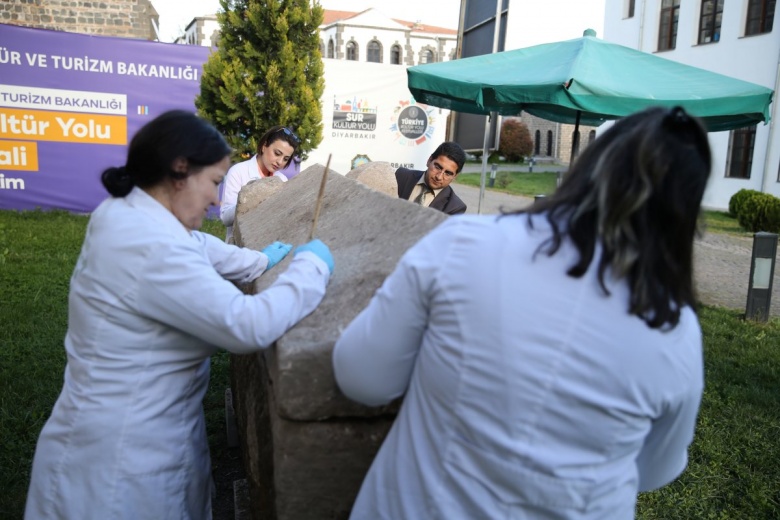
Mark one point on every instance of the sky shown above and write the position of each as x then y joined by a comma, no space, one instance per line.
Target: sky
553,19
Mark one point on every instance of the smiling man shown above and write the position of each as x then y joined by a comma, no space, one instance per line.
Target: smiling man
431,188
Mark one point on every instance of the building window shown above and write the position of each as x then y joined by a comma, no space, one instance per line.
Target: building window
591,136
322,48
537,142
667,28
630,8
709,21
426,56
549,143
374,52
395,55
330,48
352,51
740,159
760,14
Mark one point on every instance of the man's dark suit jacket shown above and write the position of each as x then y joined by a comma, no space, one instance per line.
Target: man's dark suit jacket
445,201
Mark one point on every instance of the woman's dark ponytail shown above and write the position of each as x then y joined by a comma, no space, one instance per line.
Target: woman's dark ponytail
117,181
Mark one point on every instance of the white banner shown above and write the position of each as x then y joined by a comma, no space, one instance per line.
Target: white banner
368,114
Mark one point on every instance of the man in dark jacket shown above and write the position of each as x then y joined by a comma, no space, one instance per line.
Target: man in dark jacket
431,188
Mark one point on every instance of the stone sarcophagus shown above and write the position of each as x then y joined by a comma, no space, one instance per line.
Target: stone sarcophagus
307,447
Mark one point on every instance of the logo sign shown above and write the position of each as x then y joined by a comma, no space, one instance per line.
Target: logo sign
360,160
354,114
413,123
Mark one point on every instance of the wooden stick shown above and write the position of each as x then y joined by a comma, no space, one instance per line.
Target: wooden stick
319,199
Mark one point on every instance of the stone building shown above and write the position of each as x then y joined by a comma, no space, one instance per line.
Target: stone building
202,30
372,36
122,18
552,141
369,35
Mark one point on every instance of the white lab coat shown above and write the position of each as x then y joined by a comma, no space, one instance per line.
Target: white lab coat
149,303
237,176
529,393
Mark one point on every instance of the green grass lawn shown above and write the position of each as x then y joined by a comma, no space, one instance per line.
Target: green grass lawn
733,471
519,183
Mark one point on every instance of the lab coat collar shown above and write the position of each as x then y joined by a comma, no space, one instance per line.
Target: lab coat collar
144,202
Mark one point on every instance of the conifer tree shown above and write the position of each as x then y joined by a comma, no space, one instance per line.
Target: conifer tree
267,70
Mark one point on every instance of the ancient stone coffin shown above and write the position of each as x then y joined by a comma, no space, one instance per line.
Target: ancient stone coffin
306,447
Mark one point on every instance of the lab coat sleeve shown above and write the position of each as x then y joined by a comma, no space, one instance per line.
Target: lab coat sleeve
227,209
238,264
181,289
375,355
665,452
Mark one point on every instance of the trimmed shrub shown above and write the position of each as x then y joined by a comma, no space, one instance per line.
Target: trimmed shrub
503,180
515,142
758,212
738,200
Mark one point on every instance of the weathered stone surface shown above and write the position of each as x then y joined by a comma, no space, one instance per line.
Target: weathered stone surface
306,447
256,191
252,194
298,470
367,232
377,175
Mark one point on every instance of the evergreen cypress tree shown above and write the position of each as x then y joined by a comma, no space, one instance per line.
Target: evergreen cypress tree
267,71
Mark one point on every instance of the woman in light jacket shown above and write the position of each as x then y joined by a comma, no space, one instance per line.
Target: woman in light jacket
275,152
151,298
551,358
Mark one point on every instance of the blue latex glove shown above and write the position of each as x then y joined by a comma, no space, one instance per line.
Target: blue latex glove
276,252
319,248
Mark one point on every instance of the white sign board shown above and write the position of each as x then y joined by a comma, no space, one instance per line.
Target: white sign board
368,114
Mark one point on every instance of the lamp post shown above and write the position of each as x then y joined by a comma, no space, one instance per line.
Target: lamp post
762,270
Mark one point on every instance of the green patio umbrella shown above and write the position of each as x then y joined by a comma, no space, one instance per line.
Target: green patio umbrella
586,79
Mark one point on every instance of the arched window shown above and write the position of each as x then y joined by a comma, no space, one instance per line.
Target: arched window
374,52
537,142
352,51
426,56
330,48
395,54
322,48
549,143
591,136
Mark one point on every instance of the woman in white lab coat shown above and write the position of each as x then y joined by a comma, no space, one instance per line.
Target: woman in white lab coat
275,152
151,298
551,358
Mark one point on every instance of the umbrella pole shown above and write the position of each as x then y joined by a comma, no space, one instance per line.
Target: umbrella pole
484,162
575,144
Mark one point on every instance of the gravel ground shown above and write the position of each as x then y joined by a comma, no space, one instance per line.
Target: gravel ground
722,262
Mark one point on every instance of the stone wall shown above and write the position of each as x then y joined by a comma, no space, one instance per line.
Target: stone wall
121,18
562,134
306,447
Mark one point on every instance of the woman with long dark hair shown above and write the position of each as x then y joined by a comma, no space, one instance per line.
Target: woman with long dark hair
275,151
551,358
151,298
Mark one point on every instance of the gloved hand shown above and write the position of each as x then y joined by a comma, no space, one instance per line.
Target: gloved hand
319,248
276,252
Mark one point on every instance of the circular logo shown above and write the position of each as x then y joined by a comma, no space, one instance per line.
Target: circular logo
360,160
412,122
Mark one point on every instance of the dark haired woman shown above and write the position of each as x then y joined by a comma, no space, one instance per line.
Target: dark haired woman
150,301
552,358
275,151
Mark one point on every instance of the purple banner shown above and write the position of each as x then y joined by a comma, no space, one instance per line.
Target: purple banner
70,103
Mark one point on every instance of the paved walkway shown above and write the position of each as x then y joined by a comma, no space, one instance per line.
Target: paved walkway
722,262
